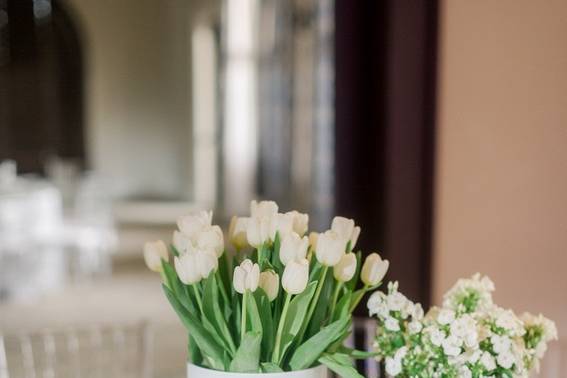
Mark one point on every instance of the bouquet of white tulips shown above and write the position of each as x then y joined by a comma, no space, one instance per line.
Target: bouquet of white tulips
278,300
468,337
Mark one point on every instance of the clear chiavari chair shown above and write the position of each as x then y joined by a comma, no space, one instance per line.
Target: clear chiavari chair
554,364
362,338
86,352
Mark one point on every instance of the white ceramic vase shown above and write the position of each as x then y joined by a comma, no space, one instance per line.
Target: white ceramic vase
194,371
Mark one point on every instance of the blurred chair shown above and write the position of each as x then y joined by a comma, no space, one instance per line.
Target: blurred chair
98,351
362,338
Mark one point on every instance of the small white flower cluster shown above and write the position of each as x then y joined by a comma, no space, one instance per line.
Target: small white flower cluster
468,294
468,337
400,320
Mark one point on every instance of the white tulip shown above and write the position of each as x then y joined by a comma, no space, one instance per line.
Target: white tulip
300,222
270,283
258,231
192,224
293,247
263,209
330,248
346,229
373,269
246,277
354,237
154,252
186,268
237,232
296,276
313,236
211,239
282,224
345,269
181,242
195,265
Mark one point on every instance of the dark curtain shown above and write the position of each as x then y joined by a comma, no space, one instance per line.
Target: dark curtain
385,111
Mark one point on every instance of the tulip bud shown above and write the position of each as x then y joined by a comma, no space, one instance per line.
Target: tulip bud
258,231
296,276
246,277
270,283
345,269
154,252
237,232
346,229
282,224
374,269
263,209
293,247
300,222
181,242
330,248
211,239
313,236
191,225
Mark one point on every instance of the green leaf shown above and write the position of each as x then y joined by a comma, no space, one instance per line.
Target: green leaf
224,275
263,255
315,269
247,357
343,359
174,250
296,316
236,315
351,285
338,344
212,308
253,321
265,310
276,262
318,318
342,309
199,334
270,367
174,283
357,354
336,364
194,353
311,350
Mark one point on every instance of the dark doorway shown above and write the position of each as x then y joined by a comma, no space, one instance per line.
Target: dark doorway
385,110
41,84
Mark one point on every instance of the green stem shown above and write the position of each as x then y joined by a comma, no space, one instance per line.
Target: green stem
198,297
276,355
334,300
313,303
243,317
358,299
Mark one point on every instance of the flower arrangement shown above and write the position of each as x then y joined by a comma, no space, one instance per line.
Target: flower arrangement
276,301
469,336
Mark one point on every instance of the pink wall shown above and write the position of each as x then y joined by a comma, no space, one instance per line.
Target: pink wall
501,186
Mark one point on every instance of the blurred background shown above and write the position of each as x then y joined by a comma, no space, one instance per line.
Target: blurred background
439,126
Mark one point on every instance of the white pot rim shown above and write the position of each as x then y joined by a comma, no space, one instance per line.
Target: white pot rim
270,375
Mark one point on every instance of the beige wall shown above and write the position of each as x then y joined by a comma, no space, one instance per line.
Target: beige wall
501,195
137,70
